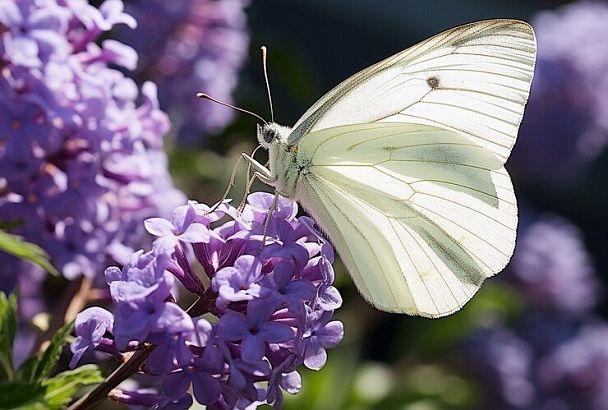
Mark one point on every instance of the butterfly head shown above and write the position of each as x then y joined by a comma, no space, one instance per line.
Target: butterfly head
272,133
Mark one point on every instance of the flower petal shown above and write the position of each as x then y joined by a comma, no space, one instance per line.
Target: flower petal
205,387
195,233
275,332
232,327
291,382
159,227
254,347
331,334
172,318
316,356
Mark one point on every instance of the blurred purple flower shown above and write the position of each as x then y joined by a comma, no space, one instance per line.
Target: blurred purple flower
566,122
188,46
553,269
274,307
576,374
504,362
81,160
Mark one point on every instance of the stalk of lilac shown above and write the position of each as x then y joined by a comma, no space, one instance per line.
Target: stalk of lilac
273,302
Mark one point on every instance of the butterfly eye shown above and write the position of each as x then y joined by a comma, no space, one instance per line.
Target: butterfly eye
269,135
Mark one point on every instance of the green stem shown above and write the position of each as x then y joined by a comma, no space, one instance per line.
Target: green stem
124,371
6,364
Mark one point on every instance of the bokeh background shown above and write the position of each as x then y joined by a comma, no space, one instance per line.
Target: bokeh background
535,336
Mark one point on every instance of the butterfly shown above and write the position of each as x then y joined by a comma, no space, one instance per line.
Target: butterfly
402,165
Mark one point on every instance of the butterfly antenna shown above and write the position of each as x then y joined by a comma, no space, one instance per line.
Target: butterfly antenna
264,54
225,104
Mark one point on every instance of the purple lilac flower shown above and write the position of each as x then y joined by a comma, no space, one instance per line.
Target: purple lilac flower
504,362
90,327
521,373
81,160
566,123
188,46
575,375
553,269
271,290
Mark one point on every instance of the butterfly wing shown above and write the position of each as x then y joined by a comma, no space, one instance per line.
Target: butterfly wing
420,215
473,79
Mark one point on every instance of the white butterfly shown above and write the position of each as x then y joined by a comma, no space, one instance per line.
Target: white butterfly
402,165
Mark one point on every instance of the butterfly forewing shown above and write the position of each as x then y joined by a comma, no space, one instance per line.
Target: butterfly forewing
472,79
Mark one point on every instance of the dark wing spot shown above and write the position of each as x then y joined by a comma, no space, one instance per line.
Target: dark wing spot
433,82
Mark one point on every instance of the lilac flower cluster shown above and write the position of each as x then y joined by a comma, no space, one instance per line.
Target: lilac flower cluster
81,159
554,356
267,284
188,46
553,269
566,123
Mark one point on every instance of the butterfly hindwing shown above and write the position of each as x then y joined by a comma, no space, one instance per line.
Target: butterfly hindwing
420,215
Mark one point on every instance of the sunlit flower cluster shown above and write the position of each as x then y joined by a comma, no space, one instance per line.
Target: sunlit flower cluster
269,289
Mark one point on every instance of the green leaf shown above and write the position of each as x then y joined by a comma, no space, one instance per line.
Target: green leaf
51,394
16,246
8,326
47,362
60,390
20,395
24,373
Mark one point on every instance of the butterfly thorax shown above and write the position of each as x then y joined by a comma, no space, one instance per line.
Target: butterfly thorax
282,157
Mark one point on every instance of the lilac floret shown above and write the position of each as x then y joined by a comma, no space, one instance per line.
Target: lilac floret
254,330
238,283
182,227
321,335
90,327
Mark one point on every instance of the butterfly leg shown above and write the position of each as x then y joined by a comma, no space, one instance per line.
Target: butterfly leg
229,187
273,207
260,171
250,181
263,174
